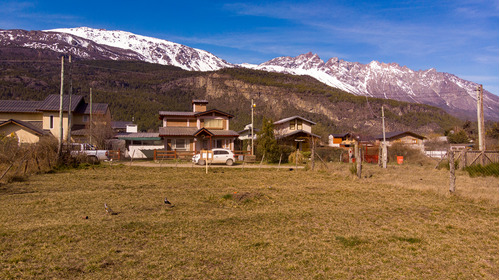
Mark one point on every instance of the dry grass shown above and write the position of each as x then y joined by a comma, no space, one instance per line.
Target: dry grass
249,224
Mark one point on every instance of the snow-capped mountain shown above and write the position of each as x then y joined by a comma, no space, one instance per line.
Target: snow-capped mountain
389,81
150,49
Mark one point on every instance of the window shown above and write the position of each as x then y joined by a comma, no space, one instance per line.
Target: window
179,144
218,143
214,123
292,125
51,122
299,124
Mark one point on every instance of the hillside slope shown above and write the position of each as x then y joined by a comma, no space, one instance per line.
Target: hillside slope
140,90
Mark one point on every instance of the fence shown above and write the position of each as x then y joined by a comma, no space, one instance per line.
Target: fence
187,155
468,158
164,154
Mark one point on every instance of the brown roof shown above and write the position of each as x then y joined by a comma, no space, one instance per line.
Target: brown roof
177,131
199,101
193,114
298,133
192,131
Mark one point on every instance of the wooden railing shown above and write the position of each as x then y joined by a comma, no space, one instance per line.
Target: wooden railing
163,154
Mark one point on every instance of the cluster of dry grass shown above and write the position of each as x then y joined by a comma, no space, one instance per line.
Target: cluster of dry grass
249,224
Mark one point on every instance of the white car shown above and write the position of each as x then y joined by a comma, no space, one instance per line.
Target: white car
214,156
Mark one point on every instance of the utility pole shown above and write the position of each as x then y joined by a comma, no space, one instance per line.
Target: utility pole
253,106
480,118
59,150
90,120
68,138
384,146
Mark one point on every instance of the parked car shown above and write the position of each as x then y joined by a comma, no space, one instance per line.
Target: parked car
93,154
216,156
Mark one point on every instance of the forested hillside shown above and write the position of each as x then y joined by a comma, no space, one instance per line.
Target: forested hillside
140,90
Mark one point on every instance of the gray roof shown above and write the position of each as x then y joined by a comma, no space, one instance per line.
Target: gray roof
140,136
97,108
120,124
292,118
395,134
175,113
19,106
27,125
51,103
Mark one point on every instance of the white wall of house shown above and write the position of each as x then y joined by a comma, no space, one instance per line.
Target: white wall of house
291,126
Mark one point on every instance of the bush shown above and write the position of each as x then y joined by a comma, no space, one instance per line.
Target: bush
301,158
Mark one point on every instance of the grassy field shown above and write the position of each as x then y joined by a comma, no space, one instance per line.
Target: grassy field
398,223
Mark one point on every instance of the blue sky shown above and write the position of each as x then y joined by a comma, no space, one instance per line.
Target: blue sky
459,37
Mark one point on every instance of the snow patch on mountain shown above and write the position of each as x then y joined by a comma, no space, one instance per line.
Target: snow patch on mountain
151,49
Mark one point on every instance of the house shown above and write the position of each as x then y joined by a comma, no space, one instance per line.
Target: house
123,127
341,139
407,138
196,130
246,135
28,119
295,131
25,132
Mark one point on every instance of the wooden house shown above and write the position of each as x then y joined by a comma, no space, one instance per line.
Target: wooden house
406,138
29,120
295,131
196,130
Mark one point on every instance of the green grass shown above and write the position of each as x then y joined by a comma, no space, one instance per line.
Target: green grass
246,224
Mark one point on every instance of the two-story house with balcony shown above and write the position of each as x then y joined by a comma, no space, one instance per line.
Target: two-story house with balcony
30,120
295,131
196,130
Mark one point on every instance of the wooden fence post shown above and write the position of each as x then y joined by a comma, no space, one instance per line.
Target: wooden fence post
358,161
451,159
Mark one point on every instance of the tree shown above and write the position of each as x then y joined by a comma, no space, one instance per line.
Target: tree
100,130
266,142
458,137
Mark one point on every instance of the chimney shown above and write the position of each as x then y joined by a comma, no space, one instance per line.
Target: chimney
199,105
